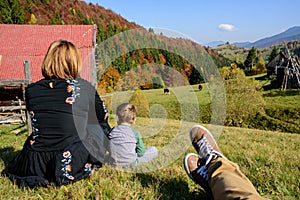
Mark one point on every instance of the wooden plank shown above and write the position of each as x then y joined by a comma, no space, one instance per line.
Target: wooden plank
17,121
12,116
11,108
27,71
12,82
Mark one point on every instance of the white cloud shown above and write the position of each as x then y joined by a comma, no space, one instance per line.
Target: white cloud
226,27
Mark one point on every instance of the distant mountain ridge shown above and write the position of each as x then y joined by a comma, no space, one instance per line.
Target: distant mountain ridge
290,34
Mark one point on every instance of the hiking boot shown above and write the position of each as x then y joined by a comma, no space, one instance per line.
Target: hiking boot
205,144
196,169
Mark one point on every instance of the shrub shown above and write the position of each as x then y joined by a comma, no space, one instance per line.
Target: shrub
243,96
157,82
259,68
141,103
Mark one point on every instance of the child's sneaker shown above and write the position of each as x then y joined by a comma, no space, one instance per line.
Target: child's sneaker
196,169
204,143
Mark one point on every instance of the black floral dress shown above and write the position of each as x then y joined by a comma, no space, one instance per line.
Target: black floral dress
61,149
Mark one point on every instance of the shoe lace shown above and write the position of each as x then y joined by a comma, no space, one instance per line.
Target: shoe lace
204,147
203,172
207,151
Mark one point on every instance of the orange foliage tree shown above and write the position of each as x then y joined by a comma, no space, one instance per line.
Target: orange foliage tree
108,80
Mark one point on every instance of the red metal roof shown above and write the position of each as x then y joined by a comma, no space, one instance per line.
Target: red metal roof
30,42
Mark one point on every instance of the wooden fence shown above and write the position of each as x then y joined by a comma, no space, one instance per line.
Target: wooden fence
14,110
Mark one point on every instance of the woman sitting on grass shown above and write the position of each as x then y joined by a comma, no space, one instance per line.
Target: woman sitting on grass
62,106
126,146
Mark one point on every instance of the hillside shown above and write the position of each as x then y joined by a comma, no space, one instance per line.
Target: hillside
47,12
151,49
239,54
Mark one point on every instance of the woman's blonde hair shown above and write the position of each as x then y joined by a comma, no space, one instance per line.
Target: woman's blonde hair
126,113
62,61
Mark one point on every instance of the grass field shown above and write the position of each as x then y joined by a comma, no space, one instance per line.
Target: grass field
269,159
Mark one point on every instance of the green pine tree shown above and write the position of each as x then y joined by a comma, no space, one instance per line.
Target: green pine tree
273,54
11,12
249,62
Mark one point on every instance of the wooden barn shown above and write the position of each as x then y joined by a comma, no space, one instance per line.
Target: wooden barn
22,49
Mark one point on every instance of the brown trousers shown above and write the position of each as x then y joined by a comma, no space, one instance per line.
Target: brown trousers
228,182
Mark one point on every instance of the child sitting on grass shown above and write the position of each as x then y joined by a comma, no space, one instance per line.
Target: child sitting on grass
126,146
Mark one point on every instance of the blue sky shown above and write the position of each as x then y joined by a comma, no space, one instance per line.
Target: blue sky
213,20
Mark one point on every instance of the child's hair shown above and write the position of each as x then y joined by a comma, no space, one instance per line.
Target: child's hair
62,61
126,113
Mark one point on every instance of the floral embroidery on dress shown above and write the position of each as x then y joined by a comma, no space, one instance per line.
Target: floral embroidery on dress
105,111
66,166
74,89
88,168
35,130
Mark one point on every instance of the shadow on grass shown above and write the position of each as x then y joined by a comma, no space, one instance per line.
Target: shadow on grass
262,78
173,188
195,90
22,129
18,129
6,154
275,93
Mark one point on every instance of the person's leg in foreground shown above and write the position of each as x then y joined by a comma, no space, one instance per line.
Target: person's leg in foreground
213,171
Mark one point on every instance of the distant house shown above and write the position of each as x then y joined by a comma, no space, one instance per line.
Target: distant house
24,47
20,43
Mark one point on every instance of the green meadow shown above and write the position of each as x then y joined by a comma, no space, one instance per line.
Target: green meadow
270,159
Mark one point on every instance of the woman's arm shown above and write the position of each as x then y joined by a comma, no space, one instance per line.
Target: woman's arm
102,114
